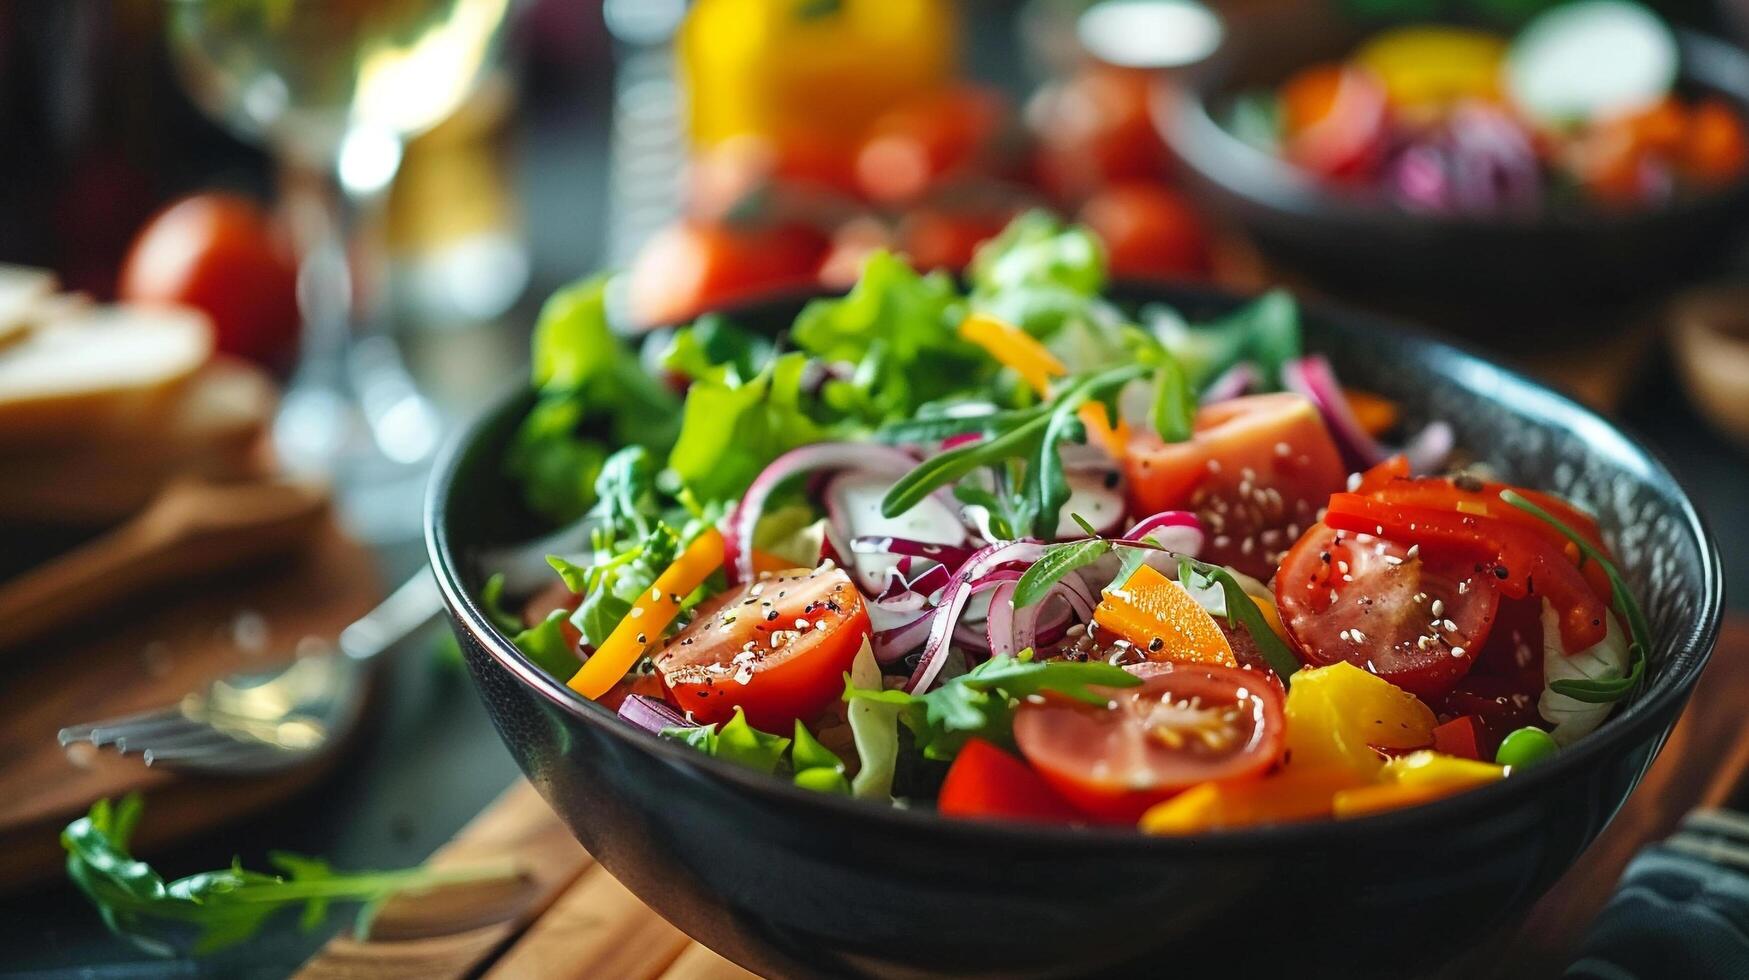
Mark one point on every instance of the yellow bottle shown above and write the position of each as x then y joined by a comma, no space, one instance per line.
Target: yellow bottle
819,69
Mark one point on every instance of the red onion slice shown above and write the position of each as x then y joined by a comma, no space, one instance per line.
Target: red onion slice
1313,377
1232,383
738,537
953,602
1177,531
651,714
951,555
891,645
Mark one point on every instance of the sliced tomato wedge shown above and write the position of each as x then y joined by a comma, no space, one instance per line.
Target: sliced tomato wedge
1255,472
1524,560
988,783
1182,726
776,648
1415,620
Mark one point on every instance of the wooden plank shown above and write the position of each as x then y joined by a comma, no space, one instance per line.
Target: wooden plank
596,929
453,932
699,963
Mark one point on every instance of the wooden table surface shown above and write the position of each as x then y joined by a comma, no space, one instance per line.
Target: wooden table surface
570,918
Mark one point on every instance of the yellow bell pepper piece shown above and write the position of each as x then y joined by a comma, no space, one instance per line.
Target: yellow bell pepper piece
1425,69
820,70
1336,714
650,615
1037,366
1413,779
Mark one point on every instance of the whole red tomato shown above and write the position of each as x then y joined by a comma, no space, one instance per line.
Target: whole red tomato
1150,231
1093,129
694,266
221,254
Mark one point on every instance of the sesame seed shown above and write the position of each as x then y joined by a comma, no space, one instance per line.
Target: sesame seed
1438,607
637,611
655,594
1457,651
1353,482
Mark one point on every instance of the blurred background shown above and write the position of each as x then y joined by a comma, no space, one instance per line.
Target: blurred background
369,199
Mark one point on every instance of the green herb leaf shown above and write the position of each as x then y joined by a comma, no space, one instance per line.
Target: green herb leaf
1242,611
816,767
981,702
492,600
1174,403
736,741
1601,690
1055,563
223,907
729,432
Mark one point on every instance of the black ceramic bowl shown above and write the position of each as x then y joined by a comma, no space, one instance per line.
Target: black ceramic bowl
1485,276
791,883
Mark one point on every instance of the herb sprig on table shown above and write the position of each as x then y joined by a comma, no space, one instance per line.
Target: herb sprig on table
226,907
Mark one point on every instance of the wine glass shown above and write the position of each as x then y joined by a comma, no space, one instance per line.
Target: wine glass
333,88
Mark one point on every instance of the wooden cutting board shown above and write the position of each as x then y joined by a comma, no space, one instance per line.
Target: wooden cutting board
144,654
570,918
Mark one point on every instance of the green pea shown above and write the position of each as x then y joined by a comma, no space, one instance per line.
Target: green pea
1526,747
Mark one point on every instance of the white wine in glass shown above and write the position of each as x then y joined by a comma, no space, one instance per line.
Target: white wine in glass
333,88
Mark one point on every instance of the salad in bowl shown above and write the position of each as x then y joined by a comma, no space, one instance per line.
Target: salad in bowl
1011,550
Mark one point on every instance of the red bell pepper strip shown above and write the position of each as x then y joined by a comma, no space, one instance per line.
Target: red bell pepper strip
1524,561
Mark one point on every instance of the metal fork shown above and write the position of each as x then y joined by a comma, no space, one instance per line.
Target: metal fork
264,721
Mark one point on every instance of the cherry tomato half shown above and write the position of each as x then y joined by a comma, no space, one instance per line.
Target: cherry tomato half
1416,621
1182,726
776,648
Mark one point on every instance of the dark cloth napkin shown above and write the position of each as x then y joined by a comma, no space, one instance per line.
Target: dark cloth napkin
1681,910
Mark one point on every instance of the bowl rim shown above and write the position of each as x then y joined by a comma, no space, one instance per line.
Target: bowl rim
1179,107
1620,730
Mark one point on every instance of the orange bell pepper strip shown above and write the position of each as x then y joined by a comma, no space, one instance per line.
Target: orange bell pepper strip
1037,366
1162,620
650,615
1289,795
1375,413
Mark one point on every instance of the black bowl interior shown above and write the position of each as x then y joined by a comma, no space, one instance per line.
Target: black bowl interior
1493,273
772,849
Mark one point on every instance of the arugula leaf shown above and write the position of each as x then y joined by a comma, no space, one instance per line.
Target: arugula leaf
1242,611
948,467
1057,562
223,907
1174,402
1268,331
981,702
937,427
1602,690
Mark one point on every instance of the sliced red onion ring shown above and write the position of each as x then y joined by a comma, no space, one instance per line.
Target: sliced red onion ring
1429,449
953,602
951,555
1229,384
891,645
1175,530
651,714
1313,377
738,537
917,589
1009,630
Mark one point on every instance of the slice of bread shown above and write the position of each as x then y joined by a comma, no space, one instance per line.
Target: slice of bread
214,426
96,371
22,291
